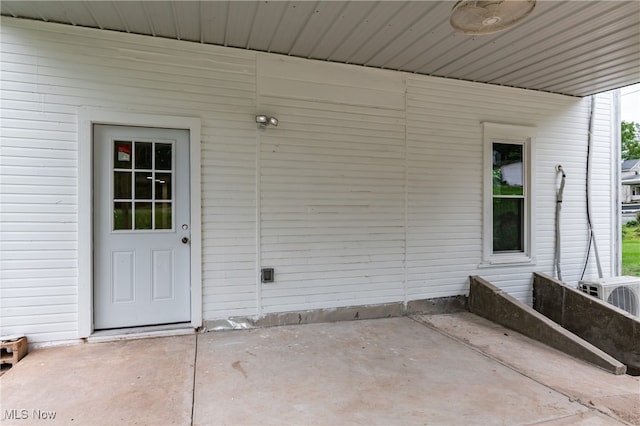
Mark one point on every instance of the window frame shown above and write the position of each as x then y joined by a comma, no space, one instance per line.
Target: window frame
513,135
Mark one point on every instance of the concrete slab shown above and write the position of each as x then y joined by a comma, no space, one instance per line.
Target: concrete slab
148,381
391,371
616,395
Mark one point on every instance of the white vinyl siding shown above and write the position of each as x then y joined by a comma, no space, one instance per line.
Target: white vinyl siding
332,185
444,151
48,73
368,191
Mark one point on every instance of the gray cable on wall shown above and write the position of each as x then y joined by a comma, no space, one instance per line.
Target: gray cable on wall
592,236
559,194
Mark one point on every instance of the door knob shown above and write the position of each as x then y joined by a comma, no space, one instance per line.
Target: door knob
185,240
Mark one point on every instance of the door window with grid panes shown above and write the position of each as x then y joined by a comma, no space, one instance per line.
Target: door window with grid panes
143,185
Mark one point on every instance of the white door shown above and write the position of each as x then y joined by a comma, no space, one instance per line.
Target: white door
141,226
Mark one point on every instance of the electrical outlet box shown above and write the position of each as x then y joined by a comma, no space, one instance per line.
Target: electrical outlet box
268,275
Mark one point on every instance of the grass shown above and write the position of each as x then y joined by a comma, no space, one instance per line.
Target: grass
631,249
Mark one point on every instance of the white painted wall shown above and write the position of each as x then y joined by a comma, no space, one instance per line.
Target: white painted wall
368,191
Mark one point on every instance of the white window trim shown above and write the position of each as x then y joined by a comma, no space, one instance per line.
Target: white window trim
86,119
521,135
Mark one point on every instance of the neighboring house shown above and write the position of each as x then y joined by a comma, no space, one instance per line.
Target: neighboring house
512,173
137,188
630,177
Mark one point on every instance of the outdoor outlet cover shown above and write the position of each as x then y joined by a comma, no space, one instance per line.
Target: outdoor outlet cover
267,275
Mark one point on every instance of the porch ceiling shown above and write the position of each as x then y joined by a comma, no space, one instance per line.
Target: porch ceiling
570,47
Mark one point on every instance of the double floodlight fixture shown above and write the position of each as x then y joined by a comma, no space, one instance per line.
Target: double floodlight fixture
265,120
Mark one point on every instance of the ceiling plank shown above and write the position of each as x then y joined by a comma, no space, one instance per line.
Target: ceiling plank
342,27
240,19
295,16
105,15
316,27
187,20
214,22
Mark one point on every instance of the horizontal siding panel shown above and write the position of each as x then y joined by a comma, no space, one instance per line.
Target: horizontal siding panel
58,272
313,263
35,311
21,68
48,125
138,50
42,146
88,90
26,156
28,292
24,282
9,266
163,105
53,172
138,85
28,320
365,250
29,133
379,285
26,200
233,287
342,238
288,273
286,77
12,302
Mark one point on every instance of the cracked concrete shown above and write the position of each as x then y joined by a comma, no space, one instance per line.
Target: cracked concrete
439,369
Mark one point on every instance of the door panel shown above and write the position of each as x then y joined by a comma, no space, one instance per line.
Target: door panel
163,281
122,265
141,226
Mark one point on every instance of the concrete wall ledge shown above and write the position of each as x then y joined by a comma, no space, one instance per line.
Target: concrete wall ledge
490,302
440,305
612,330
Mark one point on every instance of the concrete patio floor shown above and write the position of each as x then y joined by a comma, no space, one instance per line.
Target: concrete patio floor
455,369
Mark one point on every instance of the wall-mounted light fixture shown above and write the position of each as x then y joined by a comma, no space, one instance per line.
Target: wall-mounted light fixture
265,120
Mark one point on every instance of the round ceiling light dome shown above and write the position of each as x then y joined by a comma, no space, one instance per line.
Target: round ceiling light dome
488,17
492,20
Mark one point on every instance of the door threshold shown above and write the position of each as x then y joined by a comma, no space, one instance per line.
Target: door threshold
145,332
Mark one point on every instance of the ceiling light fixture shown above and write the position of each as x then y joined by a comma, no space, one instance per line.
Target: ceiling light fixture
488,17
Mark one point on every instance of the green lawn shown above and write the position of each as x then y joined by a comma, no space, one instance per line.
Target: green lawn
631,250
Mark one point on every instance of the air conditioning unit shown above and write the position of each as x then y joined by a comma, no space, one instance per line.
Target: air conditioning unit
622,292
